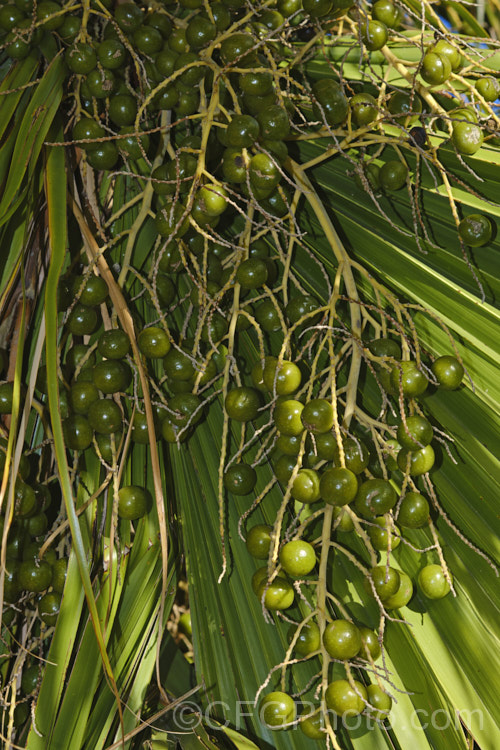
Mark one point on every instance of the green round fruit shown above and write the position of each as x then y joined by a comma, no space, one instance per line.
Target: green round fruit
242,131
278,595
268,317
475,230
113,344
342,519
263,173
413,511
59,571
172,221
330,104
252,273
108,445
402,595
338,486
185,625
419,462
173,432
77,432
122,109
344,700
448,372
112,376
153,342
407,376
467,137
111,54
46,13
10,17
234,165
385,348
299,307
165,290
415,434
185,409
140,429
317,8
406,105
80,58
289,444
256,84
374,34
287,417
364,109
29,680
305,487
356,454
273,123
283,469
135,144
445,48
82,394
297,558
489,88
92,291
242,404
385,580
342,639
6,396
380,703
235,47
371,172
133,502
178,365
385,11
48,607
309,639
128,16
37,525
283,380
35,575
369,643
277,709
82,321
79,356
432,582
258,541
101,83
258,578
17,47
240,479
147,40
12,588
384,536
103,155
436,68
25,500
314,726
212,199
462,114
393,175
105,416
318,416
375,497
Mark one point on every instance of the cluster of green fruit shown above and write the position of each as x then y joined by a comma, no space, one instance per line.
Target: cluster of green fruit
30,566
204,104
363,499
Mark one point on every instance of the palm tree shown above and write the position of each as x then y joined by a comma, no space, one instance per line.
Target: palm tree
248,292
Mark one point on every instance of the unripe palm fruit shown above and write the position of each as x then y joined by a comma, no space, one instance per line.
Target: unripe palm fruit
297,558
